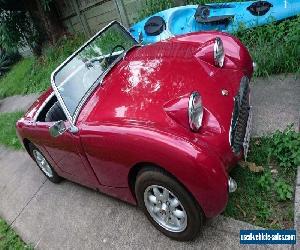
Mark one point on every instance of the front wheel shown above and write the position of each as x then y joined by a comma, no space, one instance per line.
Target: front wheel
167,204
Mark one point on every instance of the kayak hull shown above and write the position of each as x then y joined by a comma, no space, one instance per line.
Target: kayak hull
226,17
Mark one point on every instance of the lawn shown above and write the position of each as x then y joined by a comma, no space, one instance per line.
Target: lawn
265,194
32,75
9,240
8,135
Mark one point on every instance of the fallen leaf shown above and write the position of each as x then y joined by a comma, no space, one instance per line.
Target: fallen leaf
243,164
274,222
254,168
243,211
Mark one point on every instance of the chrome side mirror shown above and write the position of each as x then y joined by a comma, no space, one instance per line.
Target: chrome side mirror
57,129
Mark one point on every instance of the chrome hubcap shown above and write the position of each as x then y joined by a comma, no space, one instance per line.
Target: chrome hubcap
165,208
42,163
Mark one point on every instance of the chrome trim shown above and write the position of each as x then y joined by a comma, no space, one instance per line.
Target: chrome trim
236,98
191,111
71,119
219,54
43,106
231,123
254,65
232,185
246,143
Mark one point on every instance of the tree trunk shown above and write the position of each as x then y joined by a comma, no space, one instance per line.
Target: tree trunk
49,19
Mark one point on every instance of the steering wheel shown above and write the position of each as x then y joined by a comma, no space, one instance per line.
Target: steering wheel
114,48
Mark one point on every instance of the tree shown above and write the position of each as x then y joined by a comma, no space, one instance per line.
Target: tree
45,11
17,29
29,21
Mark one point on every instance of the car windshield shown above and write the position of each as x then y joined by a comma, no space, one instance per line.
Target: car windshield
73,80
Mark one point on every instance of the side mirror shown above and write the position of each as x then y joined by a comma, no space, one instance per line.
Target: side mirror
57,129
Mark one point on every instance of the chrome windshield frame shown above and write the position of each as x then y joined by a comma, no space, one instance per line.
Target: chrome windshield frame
73,119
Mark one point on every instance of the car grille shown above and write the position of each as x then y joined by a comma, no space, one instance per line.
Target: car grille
240,116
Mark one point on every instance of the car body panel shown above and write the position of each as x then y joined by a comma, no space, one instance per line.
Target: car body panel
138,116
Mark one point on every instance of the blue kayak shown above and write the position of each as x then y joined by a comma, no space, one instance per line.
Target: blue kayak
226,17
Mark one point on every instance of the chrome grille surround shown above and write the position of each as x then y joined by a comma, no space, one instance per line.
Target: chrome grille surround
240,116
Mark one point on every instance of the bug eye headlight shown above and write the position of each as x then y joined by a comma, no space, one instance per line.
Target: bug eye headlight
195,110
219,54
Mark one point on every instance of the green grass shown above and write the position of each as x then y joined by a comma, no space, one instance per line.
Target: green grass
274,47
32,75
8,135
9,240
252,204
257,199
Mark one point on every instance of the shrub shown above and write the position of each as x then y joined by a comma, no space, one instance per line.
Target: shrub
7,60
285,148
283,190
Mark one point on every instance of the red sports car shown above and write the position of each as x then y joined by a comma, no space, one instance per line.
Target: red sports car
158,125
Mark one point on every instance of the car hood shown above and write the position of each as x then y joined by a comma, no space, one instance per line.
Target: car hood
154,81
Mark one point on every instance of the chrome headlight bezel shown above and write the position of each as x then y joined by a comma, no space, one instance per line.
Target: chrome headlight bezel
195,111
219,54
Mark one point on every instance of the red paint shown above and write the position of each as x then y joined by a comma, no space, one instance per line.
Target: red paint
139,115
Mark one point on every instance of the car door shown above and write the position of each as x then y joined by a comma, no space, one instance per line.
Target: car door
66,151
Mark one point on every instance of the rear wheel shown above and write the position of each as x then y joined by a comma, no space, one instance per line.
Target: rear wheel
44,165
167,204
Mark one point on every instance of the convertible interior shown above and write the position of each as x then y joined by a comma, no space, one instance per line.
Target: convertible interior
52,112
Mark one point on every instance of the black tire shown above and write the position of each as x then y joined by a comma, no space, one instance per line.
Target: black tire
55,114
195,217
55,178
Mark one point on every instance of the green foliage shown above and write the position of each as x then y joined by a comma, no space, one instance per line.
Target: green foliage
265,181
260,150
9,239
263,209
6,60
282,147
274,47
8,135
283,190
106,42
267,199
32,75
256,200
285,148
154,6
17,29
